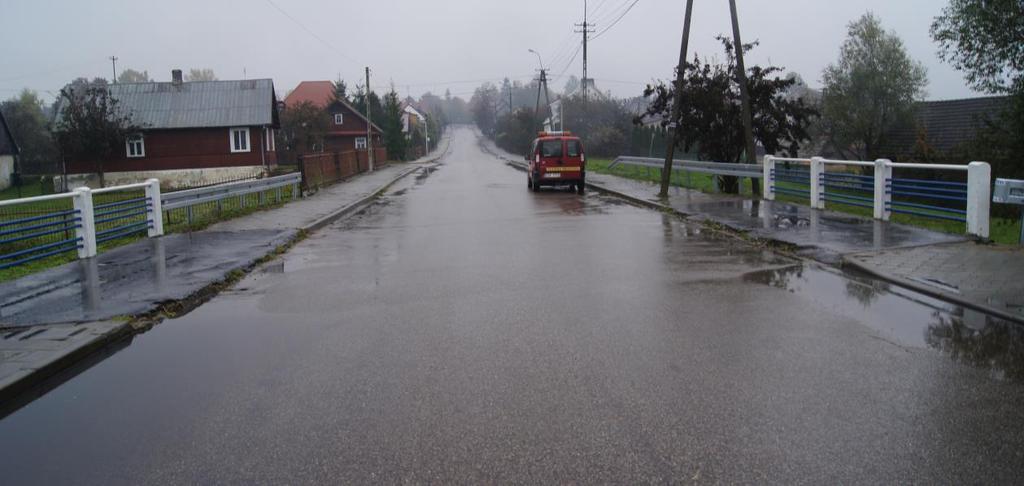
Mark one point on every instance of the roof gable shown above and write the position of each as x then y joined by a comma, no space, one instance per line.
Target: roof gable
351,109
319,93
7,144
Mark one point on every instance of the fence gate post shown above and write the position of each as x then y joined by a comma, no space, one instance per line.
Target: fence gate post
87,230
769,178
883,173
156,208
817,196
979,194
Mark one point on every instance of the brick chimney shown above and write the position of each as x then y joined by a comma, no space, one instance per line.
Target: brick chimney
176,77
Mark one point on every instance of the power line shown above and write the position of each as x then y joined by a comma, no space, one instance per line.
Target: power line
616,20
311,33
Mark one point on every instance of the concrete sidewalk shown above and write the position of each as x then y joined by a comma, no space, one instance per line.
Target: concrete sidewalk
979,276
54,318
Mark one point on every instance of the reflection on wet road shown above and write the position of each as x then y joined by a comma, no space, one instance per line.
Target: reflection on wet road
466,330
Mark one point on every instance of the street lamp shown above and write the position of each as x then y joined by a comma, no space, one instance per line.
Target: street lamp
538,58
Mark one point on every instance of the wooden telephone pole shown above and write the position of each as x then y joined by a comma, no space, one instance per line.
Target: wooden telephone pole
673,128
741,77
369,123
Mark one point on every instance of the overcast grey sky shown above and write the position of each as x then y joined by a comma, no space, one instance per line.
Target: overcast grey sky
423,45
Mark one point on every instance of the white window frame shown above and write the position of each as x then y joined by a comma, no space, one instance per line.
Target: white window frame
358,140
339,118
136,138
271,144
231,140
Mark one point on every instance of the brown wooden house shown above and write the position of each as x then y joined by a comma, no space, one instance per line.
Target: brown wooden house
192,133
347,127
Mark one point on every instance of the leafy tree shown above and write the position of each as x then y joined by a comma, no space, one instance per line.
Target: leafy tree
710,121
90,126
303,128
133,76
391,124
24,114
873,86
985,39
484,105
515,131
340,91
360,99
204,74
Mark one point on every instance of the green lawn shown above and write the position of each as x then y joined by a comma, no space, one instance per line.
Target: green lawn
1002,230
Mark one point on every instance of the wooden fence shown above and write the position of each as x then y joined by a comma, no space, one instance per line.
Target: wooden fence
325,168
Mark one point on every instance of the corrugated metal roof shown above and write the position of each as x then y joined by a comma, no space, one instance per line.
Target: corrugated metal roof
197,104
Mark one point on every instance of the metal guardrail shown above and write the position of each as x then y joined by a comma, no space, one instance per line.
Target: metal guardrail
717,168
191,197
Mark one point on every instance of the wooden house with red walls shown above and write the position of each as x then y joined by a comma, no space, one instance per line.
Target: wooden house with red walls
192,132
346,126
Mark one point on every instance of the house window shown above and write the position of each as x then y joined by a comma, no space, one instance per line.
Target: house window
135,146
239,140
360,143
339,118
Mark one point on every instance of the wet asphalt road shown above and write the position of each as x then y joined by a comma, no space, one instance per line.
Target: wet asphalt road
465,330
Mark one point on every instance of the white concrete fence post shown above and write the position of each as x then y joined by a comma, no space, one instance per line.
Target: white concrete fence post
769,178
86,230
979,194
883,173
817,168
156,212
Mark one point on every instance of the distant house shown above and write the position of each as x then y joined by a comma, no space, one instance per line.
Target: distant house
347,126
941,127
192,133
412,120
8,151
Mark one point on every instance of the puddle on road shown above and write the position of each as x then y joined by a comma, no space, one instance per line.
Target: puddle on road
908,319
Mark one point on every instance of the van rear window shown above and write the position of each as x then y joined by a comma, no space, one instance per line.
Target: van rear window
551,148
573,148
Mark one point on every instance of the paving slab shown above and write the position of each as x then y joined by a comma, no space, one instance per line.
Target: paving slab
32,354
985,277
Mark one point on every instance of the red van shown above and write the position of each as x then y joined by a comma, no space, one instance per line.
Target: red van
556,159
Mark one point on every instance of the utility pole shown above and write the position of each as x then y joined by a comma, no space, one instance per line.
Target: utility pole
741,76
543,82
369,122
673,128
586,30
113,66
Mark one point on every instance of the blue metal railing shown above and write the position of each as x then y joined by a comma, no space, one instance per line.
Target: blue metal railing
30,238
939,191
837,186
793,176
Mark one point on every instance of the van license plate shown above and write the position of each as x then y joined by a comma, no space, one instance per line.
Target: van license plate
552,175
